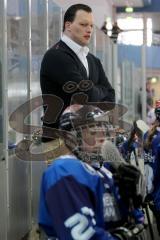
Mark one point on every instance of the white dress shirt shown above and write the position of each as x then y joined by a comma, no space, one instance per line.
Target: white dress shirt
80,51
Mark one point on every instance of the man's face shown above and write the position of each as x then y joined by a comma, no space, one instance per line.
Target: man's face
81,28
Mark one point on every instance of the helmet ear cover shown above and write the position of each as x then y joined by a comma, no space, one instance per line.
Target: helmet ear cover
70,139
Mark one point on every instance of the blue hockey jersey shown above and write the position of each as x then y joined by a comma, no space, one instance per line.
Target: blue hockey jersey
129,151
156,180
78,202
150,162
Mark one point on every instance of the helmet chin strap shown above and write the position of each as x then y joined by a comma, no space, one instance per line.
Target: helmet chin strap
89,157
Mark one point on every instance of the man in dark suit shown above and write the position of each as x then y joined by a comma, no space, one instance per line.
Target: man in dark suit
69,71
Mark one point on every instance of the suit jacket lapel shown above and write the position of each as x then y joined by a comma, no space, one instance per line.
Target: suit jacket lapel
90,67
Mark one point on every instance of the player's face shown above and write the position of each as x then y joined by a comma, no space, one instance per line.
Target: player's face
81,28
93,136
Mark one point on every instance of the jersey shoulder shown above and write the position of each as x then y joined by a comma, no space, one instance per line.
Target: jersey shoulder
70,166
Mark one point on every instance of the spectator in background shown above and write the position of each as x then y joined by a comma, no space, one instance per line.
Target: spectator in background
151,117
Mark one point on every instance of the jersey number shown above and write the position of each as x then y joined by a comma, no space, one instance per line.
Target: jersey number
79,224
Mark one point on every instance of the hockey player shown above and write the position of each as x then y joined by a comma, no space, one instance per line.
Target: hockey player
79,199
152,161
156,191
130,148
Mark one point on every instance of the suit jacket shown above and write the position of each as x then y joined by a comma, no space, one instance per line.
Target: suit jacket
61,65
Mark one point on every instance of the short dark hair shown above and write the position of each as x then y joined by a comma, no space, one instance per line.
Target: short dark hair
71,12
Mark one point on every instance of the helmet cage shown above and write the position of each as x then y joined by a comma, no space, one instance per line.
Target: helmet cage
76,142
74,120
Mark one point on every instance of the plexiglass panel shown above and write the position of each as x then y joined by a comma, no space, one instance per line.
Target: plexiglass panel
104,52
127,94
1,60
3,192
108,56
38,31
17,65
92,43
133,89
38,43
17,78
54,22
100,42
38,48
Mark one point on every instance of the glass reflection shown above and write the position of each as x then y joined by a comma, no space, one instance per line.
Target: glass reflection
17,62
